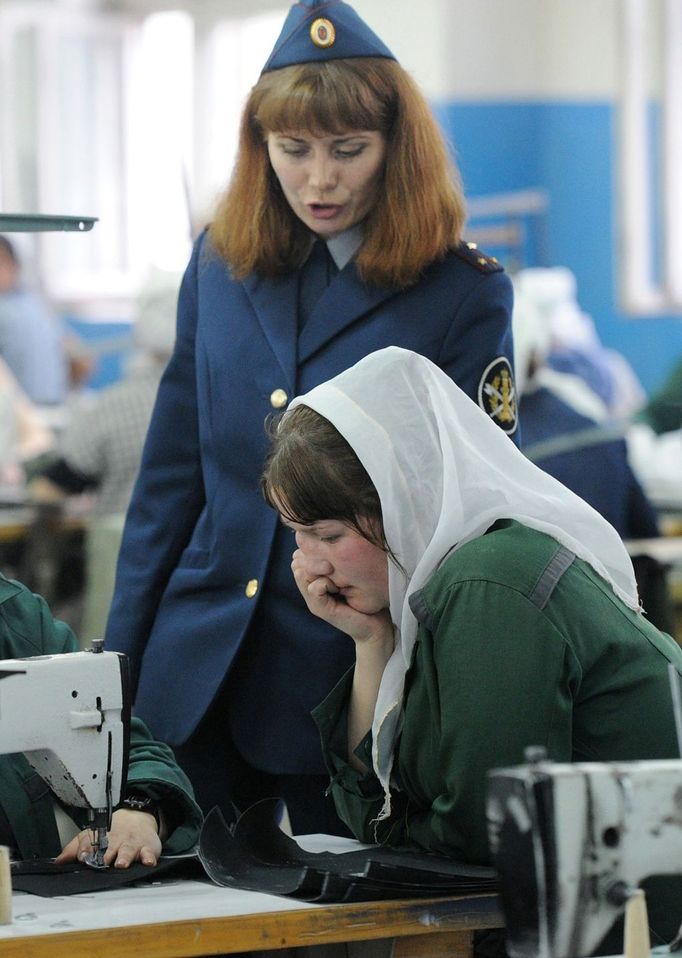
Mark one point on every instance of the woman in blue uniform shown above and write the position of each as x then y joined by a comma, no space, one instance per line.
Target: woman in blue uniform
339,234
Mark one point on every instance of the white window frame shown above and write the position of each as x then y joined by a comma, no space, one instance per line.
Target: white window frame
651,40
175,129
69,266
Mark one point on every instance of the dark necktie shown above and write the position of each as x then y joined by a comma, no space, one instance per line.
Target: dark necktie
316,274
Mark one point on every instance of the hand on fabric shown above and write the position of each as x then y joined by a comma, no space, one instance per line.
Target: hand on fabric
133,837
323,599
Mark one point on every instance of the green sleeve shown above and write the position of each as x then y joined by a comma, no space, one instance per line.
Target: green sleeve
153,771
357,797
27,627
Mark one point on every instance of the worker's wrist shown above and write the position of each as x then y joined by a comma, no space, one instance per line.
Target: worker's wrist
143,803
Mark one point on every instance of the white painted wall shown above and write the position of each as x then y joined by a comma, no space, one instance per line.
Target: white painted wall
503,49
469,49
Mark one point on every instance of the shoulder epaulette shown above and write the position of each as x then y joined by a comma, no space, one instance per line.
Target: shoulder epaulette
477,258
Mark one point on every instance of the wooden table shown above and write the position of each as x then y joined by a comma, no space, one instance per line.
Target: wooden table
177,919
15,522
190,918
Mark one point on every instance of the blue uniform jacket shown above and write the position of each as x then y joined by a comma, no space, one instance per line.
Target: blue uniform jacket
204,569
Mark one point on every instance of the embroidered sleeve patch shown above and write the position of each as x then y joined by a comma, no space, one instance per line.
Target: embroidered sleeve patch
497,394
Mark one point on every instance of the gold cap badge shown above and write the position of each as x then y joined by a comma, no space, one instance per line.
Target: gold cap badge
322,32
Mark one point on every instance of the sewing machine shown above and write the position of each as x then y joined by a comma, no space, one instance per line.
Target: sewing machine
572,841
70,716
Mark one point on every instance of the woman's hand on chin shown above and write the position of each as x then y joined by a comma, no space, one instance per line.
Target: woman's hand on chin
324,600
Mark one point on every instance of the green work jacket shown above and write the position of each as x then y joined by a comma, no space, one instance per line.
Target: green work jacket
519,644
663,412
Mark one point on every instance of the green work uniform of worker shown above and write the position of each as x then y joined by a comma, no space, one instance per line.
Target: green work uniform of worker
519,644
663,411
27,628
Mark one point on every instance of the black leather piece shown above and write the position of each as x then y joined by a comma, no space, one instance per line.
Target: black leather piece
48,880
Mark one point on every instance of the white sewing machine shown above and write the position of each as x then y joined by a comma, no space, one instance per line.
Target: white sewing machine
70,716
571,842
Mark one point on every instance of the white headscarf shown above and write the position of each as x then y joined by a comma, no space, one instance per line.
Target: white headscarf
532,343
445,473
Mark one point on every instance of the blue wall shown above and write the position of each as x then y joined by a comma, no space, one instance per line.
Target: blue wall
568,150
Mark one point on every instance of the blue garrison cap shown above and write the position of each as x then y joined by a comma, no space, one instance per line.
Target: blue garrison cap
327,30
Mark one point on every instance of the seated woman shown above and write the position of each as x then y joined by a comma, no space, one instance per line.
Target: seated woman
158,812
490,607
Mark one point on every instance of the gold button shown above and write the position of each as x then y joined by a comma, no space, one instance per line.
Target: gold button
472,245
278,398
482,261
251,588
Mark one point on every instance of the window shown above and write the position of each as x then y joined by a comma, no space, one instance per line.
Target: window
650,187
131,120
61,138
230,55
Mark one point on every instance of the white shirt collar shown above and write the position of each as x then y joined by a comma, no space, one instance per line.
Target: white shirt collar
344,246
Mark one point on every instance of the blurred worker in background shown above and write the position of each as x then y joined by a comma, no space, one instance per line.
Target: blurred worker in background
663,411
572,432
655,445
573,344
101,446
32,341
23,432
